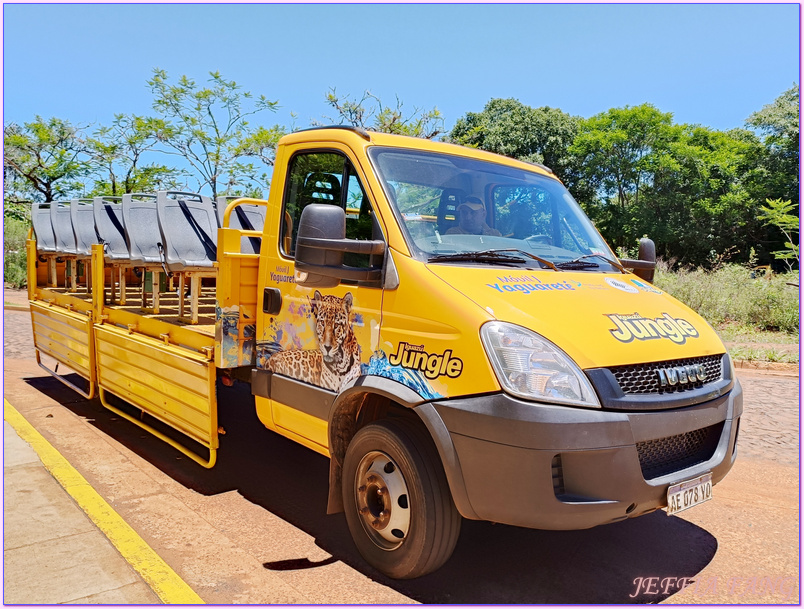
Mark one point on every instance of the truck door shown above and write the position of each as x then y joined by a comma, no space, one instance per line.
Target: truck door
315,341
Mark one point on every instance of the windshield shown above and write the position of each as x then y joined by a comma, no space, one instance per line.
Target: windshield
453,205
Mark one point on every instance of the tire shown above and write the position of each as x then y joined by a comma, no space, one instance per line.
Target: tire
397,501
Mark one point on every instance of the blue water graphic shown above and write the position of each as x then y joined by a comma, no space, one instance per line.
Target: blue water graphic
379,366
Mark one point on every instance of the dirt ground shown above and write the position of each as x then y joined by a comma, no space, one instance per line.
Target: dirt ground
254,529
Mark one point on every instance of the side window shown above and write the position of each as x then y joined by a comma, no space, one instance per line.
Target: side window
327,177
312,178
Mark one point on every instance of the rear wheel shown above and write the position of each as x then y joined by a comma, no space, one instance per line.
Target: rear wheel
397,501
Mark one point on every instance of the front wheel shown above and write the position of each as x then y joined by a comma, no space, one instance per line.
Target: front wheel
397,501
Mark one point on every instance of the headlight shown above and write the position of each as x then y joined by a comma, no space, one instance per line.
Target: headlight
531,367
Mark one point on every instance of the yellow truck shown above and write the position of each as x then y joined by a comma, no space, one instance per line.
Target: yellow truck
445,324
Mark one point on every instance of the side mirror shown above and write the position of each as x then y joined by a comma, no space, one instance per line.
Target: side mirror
320,247
645,267
319,222
647,253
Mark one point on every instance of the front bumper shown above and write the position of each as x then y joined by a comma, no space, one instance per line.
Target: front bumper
556,467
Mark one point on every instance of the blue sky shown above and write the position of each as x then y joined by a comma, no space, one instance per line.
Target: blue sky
707,64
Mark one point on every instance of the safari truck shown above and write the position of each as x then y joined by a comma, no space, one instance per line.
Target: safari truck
444,324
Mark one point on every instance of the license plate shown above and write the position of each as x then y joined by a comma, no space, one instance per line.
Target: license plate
689,493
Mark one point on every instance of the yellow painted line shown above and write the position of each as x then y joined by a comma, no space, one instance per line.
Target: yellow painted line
168,586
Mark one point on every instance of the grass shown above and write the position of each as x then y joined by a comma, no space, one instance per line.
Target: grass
735,333
762,354
757,316
736,295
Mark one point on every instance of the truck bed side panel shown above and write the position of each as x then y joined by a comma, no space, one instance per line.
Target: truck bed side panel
175,385
65,336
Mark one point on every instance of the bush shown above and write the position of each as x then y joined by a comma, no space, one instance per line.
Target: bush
736,294
14,256
15,232
14,269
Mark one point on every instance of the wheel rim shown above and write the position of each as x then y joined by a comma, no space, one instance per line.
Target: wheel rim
381,495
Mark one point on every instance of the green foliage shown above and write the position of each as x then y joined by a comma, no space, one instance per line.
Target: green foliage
209,128
370,113
685,186
620,150
117,154
15,270
15,232
16,210
42,160
779,165
784,216
510,128
736,294
763,354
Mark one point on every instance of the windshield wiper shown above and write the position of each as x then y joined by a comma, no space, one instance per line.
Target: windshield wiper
487,256
539,259
492,256
579,263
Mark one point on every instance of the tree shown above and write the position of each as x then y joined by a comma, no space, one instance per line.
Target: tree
777,168
371,113
619,148
209,128
616,153
698,206
117,156
44,159
510,128
779,123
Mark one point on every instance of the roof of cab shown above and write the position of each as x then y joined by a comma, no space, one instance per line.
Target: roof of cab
358,136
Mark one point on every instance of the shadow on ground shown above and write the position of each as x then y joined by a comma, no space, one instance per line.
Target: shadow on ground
492,563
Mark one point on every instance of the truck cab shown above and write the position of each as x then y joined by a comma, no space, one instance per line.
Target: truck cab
559,390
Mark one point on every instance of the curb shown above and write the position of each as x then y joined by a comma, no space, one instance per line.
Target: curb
16,307
163,580
771,368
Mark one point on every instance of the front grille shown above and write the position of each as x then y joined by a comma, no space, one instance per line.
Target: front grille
673,453
644,378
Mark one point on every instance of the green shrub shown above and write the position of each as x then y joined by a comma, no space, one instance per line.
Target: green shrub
736,294
14,257
14,269
15,232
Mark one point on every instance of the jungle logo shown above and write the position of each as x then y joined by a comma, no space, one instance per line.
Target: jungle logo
432,365
635,326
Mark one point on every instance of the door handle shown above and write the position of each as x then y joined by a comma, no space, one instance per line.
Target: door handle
271,301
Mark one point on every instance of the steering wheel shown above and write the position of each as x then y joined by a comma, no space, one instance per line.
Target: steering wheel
546,239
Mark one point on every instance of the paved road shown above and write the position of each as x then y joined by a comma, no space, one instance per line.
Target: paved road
254,529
